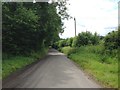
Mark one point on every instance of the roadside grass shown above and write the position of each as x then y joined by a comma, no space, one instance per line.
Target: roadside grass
1,69
89,58
11,64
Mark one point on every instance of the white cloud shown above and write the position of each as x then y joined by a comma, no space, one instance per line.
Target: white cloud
91,15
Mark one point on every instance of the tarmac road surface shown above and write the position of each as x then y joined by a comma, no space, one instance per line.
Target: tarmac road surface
54,71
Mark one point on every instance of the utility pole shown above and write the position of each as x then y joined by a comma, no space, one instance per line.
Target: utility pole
75,25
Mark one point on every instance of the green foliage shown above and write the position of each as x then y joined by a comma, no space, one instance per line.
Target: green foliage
69,42
86,38
95,39
12,63
63,9
68,50
111,43
18,39
62,43
27,27
94,53
55,45
83,38
89,58
75,42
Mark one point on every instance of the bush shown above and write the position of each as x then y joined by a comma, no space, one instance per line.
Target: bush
69,42
62,43
68,50
111,43
75,42
95,39
85,38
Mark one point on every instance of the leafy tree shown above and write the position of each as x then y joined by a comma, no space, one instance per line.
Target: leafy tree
112,42
95,39
75,42
62,43
85,38
69,42
29,27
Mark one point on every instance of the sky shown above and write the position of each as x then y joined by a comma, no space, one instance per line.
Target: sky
99,16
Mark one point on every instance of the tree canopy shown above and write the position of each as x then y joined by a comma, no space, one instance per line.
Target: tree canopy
28,27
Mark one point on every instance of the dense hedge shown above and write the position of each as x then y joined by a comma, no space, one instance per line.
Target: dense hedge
110,42
83,38
28,27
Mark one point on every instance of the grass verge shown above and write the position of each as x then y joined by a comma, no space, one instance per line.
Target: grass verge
102,68
13,63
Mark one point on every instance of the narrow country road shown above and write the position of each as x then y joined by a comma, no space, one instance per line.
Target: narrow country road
54,71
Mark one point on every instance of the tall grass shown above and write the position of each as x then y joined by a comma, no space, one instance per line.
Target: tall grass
102,67
12,63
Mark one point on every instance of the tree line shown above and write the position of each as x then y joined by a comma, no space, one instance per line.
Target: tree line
110,42
28,27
